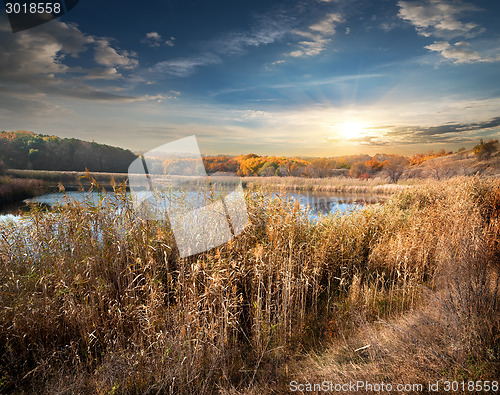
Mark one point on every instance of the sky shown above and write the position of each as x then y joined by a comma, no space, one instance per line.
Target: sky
291,77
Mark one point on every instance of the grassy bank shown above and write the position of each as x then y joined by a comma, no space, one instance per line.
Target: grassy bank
93,302
13,190
71,180
331,184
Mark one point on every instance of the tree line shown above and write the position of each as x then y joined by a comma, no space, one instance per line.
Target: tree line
27,150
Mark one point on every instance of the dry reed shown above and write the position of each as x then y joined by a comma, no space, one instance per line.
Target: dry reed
96,300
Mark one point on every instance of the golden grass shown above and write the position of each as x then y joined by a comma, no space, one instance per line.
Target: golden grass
70,179
13,190
96,302
331,184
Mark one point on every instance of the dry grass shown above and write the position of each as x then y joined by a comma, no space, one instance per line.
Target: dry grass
98,302
13,190
70,179
332,184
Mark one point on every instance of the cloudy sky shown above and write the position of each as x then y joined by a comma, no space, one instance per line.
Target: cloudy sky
290,77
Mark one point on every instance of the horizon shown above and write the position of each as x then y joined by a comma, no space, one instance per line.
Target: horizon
381,153
306,78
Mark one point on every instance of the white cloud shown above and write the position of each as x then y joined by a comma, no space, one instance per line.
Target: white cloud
153,36
154,39
443,19
184,67
29,56
459,52
326,26
266,30
109,73
388,26
439,18
317,36
170,42
34,72
106,55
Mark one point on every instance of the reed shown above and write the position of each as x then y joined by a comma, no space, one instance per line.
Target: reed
70,179
95,299
330,184
13,190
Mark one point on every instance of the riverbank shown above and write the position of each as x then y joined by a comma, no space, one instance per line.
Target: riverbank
331,184
72,180
13,190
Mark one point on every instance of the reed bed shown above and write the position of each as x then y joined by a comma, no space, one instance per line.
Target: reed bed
96,300
70,179
13,190
330,184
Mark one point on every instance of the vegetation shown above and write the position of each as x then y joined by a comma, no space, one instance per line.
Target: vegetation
391,167
70,179
27,150
420,158
97,301
332,184
13,190
357,166
485,150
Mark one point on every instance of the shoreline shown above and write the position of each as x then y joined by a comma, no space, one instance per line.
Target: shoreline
332,184
39,182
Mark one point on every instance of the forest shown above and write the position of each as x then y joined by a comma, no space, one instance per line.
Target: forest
27,150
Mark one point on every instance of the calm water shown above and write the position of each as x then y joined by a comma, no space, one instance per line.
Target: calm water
317,203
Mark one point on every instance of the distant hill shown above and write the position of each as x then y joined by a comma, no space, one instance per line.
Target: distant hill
27,150
464,163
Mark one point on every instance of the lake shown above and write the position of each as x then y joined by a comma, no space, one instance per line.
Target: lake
317,203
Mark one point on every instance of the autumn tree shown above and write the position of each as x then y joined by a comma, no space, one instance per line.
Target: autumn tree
359,170
394,166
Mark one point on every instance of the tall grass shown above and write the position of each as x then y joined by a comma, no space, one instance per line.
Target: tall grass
96,300
13,190
330,184
70,179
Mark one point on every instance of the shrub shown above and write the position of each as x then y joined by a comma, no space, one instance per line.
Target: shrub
485,150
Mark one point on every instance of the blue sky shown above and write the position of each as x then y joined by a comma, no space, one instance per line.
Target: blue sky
305,77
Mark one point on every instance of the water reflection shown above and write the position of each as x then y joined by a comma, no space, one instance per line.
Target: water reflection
316,203
324,203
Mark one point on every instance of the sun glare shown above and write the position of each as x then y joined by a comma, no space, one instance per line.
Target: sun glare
350,130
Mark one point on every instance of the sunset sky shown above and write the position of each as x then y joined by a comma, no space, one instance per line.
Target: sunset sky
294,77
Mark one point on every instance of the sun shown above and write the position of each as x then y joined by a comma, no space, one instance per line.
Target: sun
350,130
